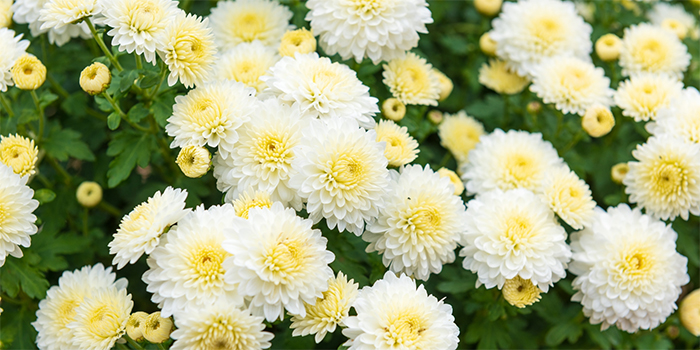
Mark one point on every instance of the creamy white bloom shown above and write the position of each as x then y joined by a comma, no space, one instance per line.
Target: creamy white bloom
27,12
12,48
644,94
418,229
380,30
629,273
648,48
513,233
665,179
569,197
516,159
211,114
262,158
16,218
401,147
681,118
571,84
321,88
186,269
5,13
394,314
244,21
246,63
100,319
412,80
341,173
220,326
136,23
277,261
529,31
59,307
664,12
59,13
139,231
460,133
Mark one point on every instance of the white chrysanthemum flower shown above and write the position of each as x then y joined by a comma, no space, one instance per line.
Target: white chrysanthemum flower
516,159
187,267
341,174
394,314
381,30
59,307
186,45
681,118
664,12
644,94
277,261
12,49
16,218
569,197
460,133
411,79
211,115
329,311
5,16
100,319
59,13
510,234
322,89
244,21
246,63
27,12
401,148
420,225
529,31
249,200
629,273
140,230
262,158
648,48
137,23
571,84
665,179
220,326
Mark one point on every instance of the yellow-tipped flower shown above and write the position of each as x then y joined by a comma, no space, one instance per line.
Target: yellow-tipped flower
300,40
95,78
520,292
133,325
89,194
598,121
5,18
28,73
446,84
156,329
245,202
676,27
488,7
487,45
690,312
456,181
194,161
619,171
401,148
19,153
496,76
608,47
393,109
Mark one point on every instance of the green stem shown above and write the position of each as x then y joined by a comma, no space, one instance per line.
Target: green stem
506,110
139,64
96,114
86,215
59,169
6,106
57,87
39,109
161,346
122,346
121,113
446,158
44,181
560,123
574,141
163,74
102,45
109,209
133,343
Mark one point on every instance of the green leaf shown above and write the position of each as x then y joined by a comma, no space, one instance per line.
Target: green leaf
44,195
113,121
47,98
102,59
128,78
138,112
29,278
149,80
162,109
129,148
75,104
64,143
455,287
559,332
51,247
103,104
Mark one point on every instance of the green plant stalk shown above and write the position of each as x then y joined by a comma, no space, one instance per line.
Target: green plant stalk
133,343
574,141
6,105
40,110
59,169
109,209
56,86
139,64
121,113
102,45
163,74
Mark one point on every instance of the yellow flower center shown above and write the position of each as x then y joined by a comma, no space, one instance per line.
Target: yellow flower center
370,7
285,259
346,172
650,53
249,26
424,220
66,311
139,218
520,170
273,150
189,49
547,30
413,79
143,16
669,178
520,292
405,329
243,205
222,334
517,231
103,322
576,79
206,114
248,72
206,264
636,263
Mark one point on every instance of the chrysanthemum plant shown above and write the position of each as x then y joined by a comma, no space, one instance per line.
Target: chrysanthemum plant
171,178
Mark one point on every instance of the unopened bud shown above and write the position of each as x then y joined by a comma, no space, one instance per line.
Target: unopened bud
488,7
487,45
194,161
435,117
95,78
28,72
89,194
618,172
393,109
608,47
156,329
534,107
133,325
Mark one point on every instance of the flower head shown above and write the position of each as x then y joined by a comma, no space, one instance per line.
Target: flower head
19,153
520,292
28,73
411,80
569,197
680,118
460,133
246,63
244,21
100,319
29,12
13,48
598,120
5,13
401,148
95,78
89,194
454,179
16,218
59,13
194,161
496,76
247,201
301,40
644,94
647,48
666,14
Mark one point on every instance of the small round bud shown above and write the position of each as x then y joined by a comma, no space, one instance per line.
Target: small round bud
446,84
133,325
95,78
487,45
435,117
488,7
520,292
676,27
156,329
89,194
393,109
534,107
28,72
673,332
194,161
456,181
690,312
618,172
300,40
598,120
608,47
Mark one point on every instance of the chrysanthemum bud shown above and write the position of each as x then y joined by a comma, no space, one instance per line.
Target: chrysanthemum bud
133,325
690,312
28,72
488,7
608,47
89,194
393,109
534,107
435,117
520,292
676,27
456,181
156,329
300,40
598,121
673,332
446,84
95,78
19,153
194,161
619,171
487,45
